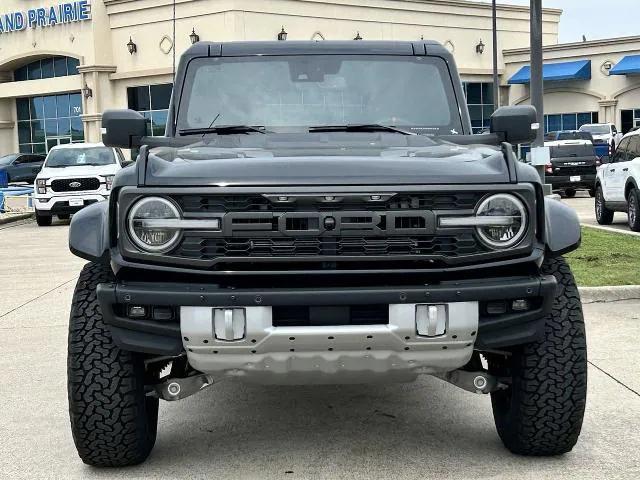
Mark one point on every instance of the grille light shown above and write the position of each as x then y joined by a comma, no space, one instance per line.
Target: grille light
511,220
41,185
145,226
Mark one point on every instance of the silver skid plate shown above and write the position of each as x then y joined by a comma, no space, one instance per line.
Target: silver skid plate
412,343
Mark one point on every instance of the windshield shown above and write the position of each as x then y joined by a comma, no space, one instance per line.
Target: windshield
574,136
596,129
293,93
7,160
73,157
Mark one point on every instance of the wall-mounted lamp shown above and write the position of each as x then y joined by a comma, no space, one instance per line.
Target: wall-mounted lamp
86,91
194,37
358,37
282,36
132,47
480,47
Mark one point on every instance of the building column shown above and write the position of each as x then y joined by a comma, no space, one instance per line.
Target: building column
608,112
96,78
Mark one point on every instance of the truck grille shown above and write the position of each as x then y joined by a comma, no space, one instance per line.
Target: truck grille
195,247
258,203
75,185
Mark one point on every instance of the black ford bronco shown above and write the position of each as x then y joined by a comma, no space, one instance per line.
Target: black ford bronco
319,212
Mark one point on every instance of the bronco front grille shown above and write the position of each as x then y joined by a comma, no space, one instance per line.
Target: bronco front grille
195,247
75,184
258,203
573,171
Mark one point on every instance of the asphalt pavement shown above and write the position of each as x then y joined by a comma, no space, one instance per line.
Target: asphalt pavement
427,429
584,205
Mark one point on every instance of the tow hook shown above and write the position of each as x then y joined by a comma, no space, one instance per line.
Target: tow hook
179,388
474,382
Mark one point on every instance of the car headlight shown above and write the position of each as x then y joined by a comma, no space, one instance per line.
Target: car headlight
108,180
501,220
41,185
153,224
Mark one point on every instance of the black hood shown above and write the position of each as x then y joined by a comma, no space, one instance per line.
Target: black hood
327,159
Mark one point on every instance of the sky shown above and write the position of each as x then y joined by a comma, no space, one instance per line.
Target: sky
593,18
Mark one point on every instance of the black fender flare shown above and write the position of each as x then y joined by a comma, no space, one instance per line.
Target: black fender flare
89,232
630,181
562,230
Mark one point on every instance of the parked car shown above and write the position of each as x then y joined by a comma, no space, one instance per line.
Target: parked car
618,183
21,167
573,162
605,137
275,240
74,176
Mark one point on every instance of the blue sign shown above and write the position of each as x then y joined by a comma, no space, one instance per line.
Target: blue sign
69,12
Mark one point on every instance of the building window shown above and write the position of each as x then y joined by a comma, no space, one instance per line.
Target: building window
480,101
153,102
47,68
568,121
44,122
630,119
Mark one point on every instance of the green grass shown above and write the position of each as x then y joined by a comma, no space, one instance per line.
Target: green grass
606,259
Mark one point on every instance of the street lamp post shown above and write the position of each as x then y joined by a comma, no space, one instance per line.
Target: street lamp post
536,85
496,85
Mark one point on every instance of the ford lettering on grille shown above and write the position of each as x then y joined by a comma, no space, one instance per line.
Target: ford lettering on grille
330,224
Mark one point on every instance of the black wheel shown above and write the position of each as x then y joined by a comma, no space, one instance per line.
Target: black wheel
43,220
113,423
604,216
592,192
541,412
64,216
633,201
570,192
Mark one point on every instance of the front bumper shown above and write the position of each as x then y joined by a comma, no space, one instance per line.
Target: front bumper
327,352
60,204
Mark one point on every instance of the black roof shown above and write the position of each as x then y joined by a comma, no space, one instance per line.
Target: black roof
325,47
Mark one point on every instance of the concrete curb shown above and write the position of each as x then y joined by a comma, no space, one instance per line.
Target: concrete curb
16,218
611,229
609,294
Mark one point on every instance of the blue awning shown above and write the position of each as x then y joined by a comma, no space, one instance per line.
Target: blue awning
553,72
629,65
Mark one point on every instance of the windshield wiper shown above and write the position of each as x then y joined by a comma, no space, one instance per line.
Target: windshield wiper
359,127
224,130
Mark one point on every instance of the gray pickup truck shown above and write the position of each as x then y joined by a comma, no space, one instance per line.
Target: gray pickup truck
319,212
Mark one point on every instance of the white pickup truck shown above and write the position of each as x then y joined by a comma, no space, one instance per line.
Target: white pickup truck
606,137
74,176
617,183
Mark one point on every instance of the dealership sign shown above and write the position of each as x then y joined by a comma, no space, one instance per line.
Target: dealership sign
69,12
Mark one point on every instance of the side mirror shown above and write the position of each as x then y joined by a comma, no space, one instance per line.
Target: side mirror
123,128
515,125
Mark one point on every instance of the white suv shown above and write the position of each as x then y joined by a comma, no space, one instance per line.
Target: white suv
74,176
605,137
617,183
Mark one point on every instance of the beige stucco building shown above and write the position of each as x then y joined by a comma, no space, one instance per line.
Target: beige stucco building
62,62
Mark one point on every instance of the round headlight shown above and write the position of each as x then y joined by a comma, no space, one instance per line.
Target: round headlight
510,220
150,224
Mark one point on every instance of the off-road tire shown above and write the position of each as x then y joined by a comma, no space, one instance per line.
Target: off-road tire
592,192
633,202
113,423
43,220
570,193
604,216
541,413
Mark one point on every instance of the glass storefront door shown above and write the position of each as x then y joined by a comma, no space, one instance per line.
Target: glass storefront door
50,120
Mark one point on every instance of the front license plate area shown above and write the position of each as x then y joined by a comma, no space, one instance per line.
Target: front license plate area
575,178
76,202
